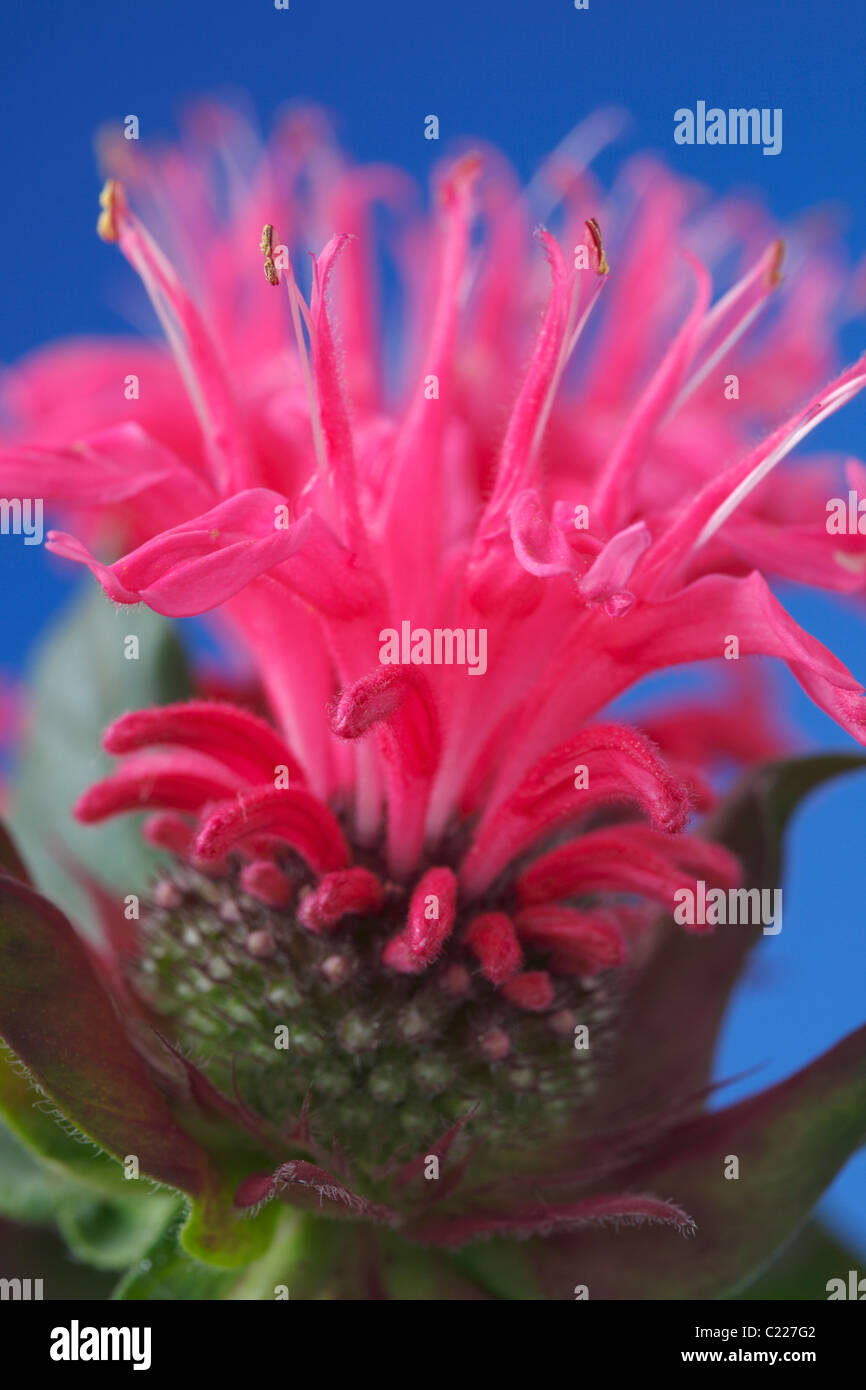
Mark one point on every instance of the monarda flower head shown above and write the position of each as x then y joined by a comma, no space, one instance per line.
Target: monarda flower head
409,976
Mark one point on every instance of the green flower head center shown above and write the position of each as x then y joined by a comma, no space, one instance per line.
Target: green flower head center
386,1062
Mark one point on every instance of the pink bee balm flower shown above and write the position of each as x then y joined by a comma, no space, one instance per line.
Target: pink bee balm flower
410,965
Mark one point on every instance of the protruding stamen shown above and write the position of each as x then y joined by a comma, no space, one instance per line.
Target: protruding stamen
267,250
595,233
112,203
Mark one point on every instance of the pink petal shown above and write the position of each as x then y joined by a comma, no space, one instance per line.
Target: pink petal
414,485
540,547
430,921
398,704
610,498
582,942
197,357
720,497
626,859
114,465
240,740
338,895
262,879
622,768
201,563
333,406
176,781
605,580
517,455
293,815
493,941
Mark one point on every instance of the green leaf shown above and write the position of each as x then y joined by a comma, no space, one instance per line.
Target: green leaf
107,1232
29,1191
82,681
803,1267
168,1273
313,1258
220,1234
37,1252
502,1268
34,1123
112,1234
59,1022
666,1054
10,860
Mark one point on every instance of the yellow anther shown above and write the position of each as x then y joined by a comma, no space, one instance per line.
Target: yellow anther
267,250
775,275
595,233
111,202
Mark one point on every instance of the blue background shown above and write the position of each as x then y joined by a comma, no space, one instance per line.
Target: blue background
521,75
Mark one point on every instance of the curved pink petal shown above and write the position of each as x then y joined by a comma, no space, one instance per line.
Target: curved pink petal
493,941
398,705
240,740
262,879
293,815
340,894
197,356
606,579
626,859
605,764
611,492
580,942
201,563
111,466
517,455
694,524
333,406
539,545
176,781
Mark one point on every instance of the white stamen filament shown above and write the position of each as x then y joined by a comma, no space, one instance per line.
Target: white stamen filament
296,305
177,342
720,310
570,339
579,148
700,376
820,412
